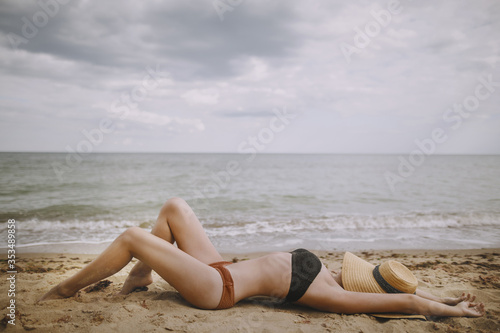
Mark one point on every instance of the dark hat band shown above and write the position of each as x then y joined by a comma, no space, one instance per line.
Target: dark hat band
383,283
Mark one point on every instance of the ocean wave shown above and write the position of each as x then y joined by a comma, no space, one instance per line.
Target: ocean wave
335,222
56,212
35,231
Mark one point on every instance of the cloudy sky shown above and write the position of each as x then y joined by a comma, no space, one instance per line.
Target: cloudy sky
221,76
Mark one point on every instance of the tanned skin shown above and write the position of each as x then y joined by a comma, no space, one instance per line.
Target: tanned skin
186,268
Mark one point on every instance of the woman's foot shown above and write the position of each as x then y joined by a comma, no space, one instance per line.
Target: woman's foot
56,293
134,282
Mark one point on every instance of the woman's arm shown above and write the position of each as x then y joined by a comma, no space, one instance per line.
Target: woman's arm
445,300
429,296
353,302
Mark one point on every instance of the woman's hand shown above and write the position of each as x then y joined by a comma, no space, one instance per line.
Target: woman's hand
455,300
469,308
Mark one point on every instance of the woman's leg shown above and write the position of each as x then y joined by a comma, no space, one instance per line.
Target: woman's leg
197,282
176,222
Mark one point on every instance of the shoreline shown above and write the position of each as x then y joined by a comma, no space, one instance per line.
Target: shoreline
77,247
161,308
258,253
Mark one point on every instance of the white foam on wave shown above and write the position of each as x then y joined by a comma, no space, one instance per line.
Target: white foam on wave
330,223
431,228
36,232
36,225
62,243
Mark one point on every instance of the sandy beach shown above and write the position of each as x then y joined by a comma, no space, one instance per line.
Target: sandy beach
162,309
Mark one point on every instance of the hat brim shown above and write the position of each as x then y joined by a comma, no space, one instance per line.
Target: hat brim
397,316
357,275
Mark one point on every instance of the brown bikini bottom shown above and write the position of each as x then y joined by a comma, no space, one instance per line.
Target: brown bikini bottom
227,298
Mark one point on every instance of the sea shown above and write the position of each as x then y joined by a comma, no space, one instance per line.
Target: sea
69,203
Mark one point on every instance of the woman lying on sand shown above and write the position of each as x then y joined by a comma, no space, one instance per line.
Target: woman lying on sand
198,272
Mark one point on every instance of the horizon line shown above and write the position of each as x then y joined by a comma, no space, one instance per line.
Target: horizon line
237,153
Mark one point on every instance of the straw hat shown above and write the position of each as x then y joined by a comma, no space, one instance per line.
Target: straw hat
389,277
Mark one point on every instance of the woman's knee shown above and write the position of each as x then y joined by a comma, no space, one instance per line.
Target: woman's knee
131,235
175,205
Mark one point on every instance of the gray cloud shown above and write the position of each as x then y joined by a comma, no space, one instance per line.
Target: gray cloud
251,114
227,76
186,37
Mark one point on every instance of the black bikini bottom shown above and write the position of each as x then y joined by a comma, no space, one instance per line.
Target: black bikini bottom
305,267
